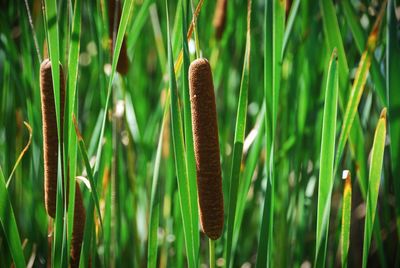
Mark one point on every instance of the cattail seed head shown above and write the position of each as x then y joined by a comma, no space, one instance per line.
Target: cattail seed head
50,138
220,18
123,61
78,228
206,147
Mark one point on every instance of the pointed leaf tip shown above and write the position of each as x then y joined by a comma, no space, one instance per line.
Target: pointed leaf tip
383,114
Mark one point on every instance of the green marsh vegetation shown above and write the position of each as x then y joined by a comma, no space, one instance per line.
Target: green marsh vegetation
271,125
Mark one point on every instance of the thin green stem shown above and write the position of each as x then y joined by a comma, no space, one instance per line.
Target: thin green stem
196,36
212,252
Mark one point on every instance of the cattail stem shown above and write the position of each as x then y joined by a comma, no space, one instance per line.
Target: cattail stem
196,35
50,138
206,147
211,244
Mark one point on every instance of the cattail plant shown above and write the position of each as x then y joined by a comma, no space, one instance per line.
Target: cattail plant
78,228
50,138
220,18
114,17
206,147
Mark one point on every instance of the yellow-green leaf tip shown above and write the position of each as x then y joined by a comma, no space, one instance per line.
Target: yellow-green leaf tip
383,114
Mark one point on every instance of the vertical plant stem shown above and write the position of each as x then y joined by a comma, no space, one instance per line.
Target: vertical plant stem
211,245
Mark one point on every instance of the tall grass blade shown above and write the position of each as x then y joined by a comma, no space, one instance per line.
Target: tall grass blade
238,142
346,219
247,174
289,24
375,172
93,203
180,156
93,183
9,225
325,183
274,23
155,202
188,132
71,141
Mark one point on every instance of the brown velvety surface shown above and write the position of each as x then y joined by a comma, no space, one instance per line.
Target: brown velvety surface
206,146
50,139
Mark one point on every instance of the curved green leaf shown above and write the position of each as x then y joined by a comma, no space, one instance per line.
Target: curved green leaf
375,171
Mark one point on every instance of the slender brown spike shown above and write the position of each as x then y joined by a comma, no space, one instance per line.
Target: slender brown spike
78,228
50,139
206,147
123,61
220,18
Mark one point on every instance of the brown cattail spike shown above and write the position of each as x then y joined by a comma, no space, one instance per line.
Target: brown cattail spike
206,146
113,23
50,139
78,228
220,18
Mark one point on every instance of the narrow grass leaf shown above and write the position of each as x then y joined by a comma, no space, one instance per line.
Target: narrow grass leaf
325,184
9,225
247,175
187,118
375,172
155,202
289,24
179,155
87,236
274,26
93,183
71,141
346,219
238,142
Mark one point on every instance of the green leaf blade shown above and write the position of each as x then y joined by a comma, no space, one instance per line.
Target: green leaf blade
346,219
325,183
9,225
375,171
180,156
